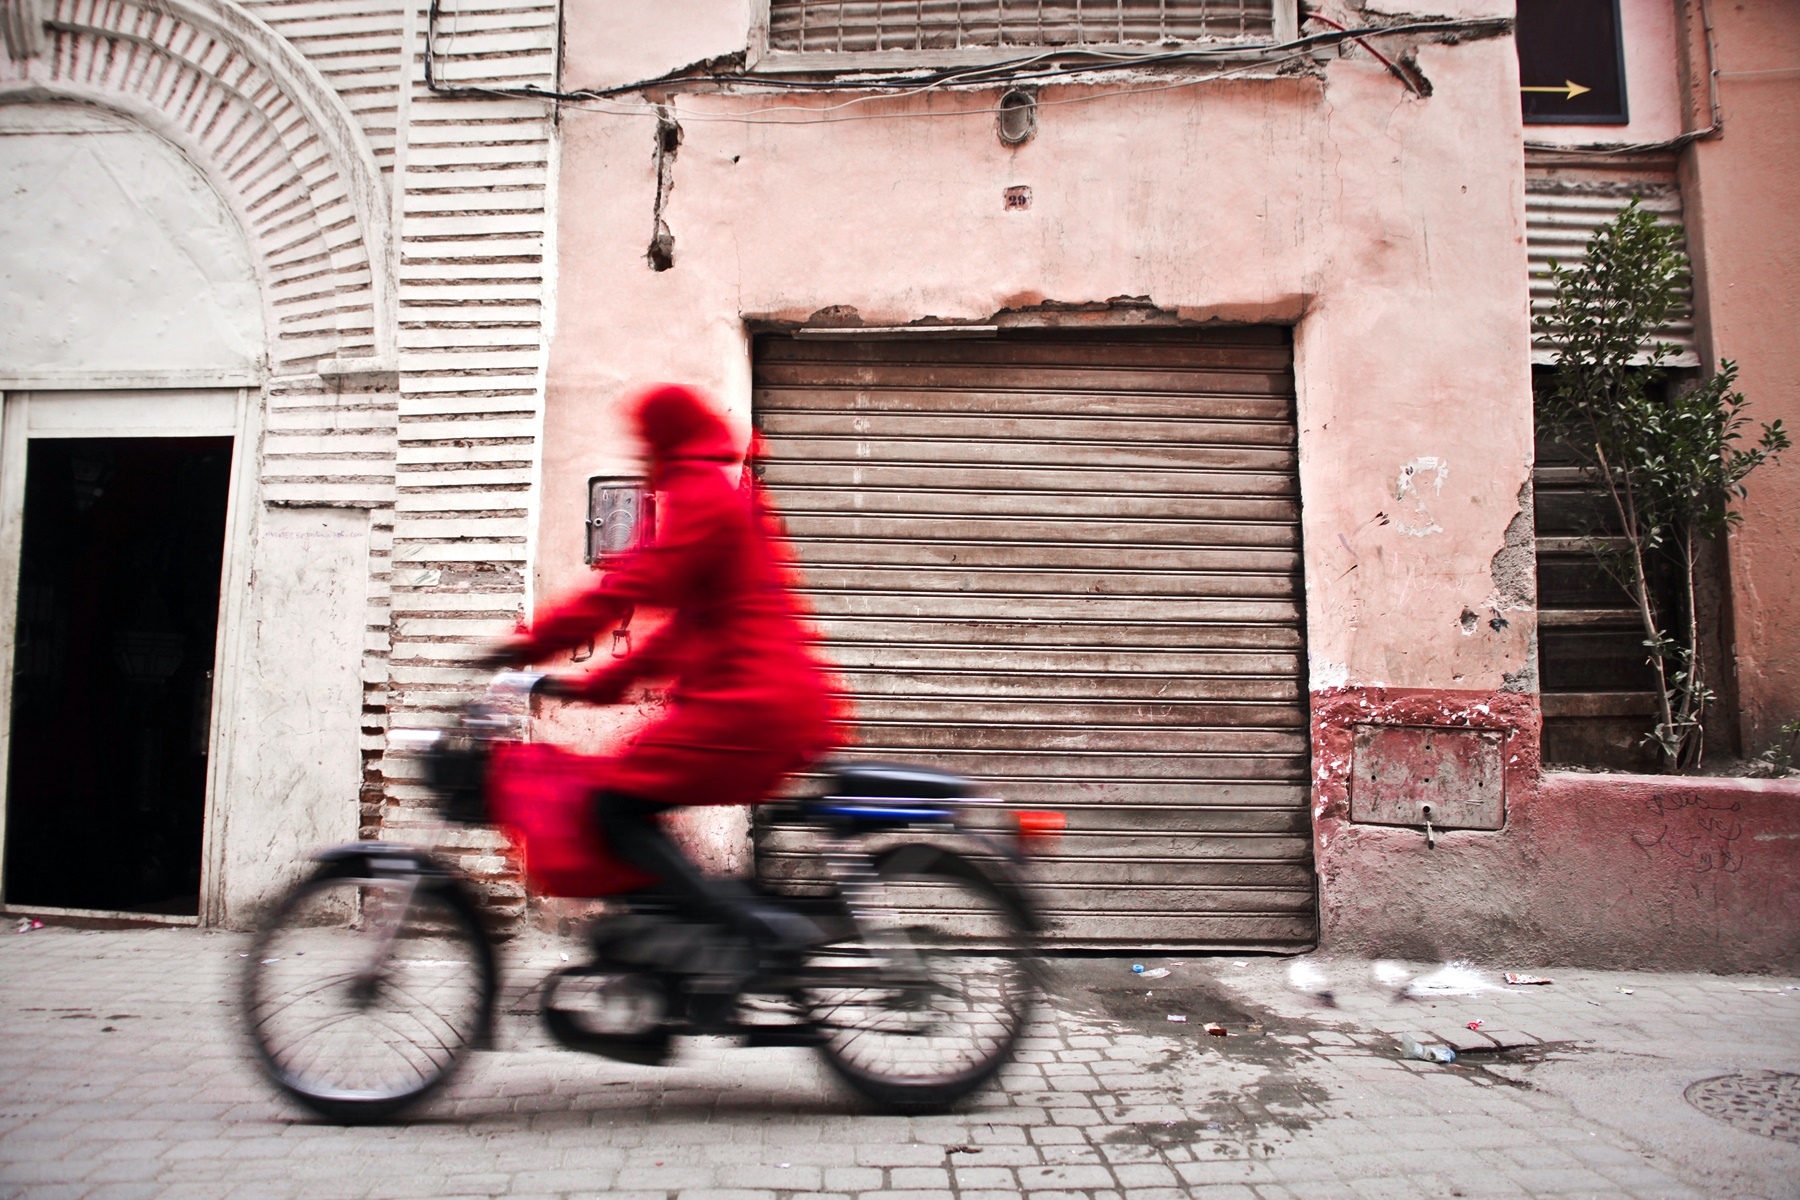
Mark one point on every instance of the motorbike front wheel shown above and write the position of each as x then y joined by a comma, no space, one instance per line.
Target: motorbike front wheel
363,995
930,1003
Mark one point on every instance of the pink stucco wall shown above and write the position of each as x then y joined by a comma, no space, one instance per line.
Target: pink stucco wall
1625,871
1386,229
1744,232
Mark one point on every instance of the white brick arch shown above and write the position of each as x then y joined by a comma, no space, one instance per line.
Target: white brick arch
266,129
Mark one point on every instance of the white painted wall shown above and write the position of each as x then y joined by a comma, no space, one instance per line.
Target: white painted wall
115,254
289,783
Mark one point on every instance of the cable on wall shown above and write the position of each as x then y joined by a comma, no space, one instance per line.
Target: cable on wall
1060,63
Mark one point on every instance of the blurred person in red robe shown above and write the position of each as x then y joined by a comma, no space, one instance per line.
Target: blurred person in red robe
750,703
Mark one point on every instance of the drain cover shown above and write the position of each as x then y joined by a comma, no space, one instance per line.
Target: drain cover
1765,1102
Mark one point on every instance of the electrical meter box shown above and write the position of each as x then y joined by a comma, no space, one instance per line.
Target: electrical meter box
1417,775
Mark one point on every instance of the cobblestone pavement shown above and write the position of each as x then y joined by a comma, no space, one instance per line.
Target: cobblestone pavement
123,1075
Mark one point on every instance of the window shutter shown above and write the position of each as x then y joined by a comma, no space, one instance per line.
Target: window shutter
848,26
1560,217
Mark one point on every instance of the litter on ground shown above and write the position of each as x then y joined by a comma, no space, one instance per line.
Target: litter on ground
1412,1047
1515,977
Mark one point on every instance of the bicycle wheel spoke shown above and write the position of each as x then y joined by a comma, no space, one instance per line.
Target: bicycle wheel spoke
931,1016
355,1016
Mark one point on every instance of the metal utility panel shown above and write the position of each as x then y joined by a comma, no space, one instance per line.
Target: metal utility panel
1068,566
1399,770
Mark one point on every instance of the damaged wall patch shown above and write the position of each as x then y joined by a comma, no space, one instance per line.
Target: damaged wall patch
1428,471
661,255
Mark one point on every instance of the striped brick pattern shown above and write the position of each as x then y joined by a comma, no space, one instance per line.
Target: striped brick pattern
473,254
359,46
256,129
328,442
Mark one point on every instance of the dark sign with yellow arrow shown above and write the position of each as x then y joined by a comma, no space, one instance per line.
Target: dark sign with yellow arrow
1571,62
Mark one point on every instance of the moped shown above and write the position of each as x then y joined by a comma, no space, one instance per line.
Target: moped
373,978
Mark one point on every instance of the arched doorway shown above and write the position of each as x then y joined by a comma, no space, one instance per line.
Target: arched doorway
198,270
118,264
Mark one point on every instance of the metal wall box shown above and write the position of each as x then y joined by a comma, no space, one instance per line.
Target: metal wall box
1399,770
621,516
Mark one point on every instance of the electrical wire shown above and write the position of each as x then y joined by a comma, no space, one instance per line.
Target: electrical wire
1024,69
802,116
1668,145
1383,59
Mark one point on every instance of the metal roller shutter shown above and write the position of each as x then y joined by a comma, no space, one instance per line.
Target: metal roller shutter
1069,566
1560,218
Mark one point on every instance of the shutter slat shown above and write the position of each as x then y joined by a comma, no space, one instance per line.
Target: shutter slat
1051,634
1215,397
1271,534
983,685
1560,219
1085,713
1064,582
1001,433
854,450
1096,484
1119,611
1067,567
849,26
1010,377
1024,556
1067,871
897,502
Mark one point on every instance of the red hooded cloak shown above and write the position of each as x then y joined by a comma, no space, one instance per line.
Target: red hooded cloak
750,702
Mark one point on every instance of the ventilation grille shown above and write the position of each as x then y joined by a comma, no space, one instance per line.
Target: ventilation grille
869,25
1560,219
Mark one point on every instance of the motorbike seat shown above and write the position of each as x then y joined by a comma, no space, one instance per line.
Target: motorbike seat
892,781
872,796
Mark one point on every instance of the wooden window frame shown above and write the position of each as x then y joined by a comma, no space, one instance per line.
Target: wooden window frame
764,61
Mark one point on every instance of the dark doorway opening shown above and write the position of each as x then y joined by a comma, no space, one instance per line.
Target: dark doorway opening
123,544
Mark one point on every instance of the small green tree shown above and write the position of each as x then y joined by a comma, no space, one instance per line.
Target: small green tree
1668,459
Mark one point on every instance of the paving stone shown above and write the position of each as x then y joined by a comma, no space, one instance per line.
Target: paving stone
1104,1109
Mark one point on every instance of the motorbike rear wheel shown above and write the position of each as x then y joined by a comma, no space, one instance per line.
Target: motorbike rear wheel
363,995
931,1005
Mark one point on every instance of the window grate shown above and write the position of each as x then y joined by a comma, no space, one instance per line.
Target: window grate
849,26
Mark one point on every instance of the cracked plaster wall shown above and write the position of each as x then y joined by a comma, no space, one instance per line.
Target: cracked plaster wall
1744,235
1387,229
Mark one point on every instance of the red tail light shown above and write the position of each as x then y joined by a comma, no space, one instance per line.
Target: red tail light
1039,828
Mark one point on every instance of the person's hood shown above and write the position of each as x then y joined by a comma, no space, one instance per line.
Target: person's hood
678,425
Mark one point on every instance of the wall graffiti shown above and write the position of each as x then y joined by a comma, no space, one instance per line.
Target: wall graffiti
1703,832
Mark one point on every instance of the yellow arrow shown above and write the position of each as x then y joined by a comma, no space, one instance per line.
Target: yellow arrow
1570,89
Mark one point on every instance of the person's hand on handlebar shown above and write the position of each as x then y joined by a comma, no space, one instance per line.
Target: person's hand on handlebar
601,687
559,687
505,654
